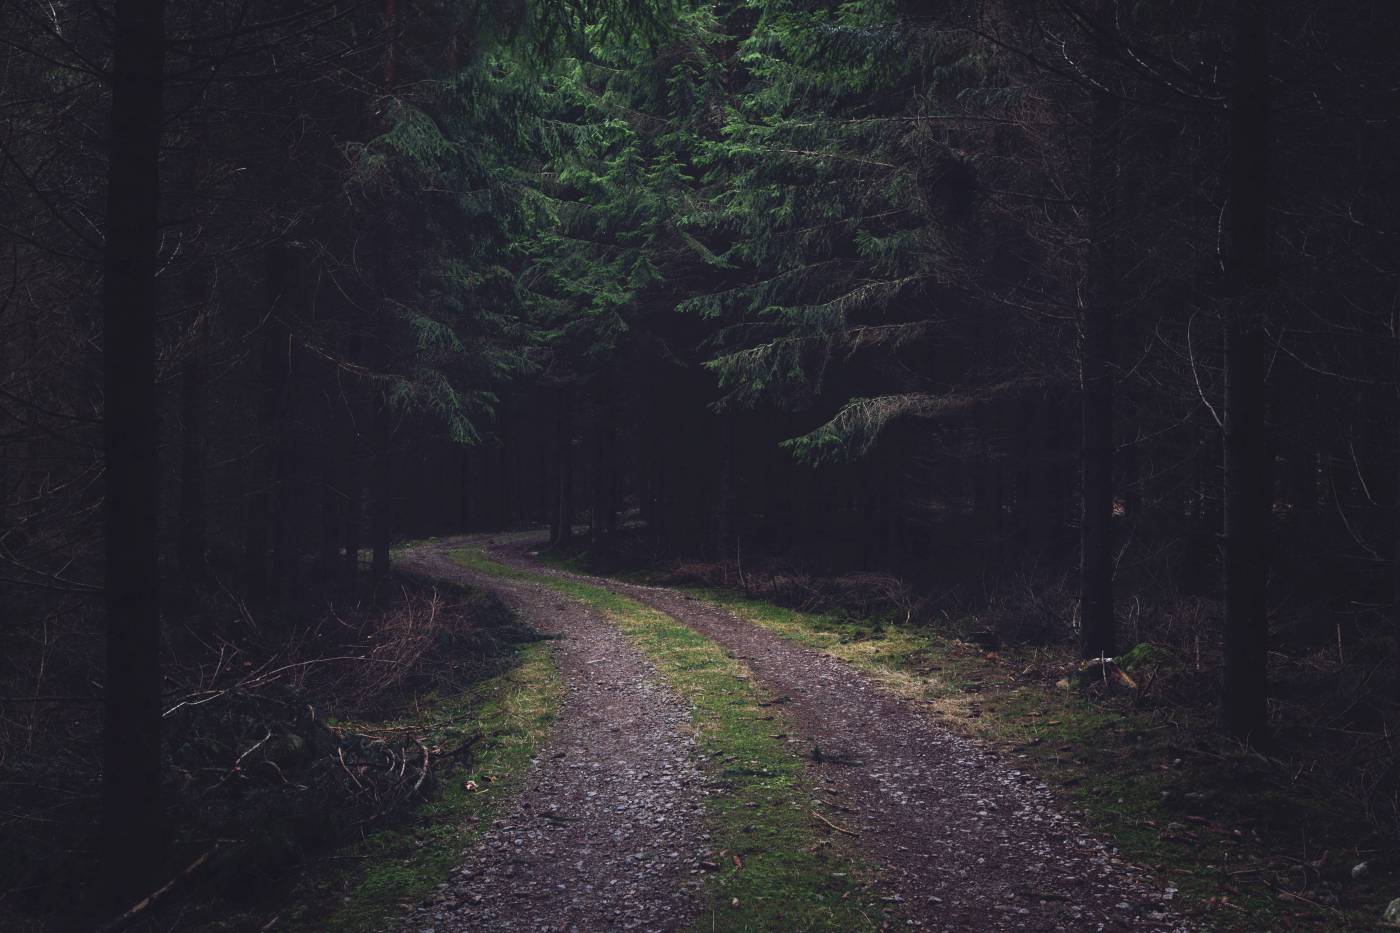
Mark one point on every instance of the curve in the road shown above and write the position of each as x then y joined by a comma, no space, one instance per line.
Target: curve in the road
608,829
967,842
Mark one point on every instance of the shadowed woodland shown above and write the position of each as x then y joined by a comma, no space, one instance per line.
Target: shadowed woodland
1069,327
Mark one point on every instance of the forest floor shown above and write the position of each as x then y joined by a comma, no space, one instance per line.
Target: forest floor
708,772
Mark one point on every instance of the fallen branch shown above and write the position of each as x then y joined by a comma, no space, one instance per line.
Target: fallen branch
147,902
1290,896
340,753
238,763
422,775
839,829
261,679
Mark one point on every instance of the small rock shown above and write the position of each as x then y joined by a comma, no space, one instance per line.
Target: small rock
1392,912
1360,869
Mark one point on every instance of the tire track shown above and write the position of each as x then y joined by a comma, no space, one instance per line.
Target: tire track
607,832
966,841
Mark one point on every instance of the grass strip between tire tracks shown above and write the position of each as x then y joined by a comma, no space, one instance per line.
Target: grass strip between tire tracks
776,867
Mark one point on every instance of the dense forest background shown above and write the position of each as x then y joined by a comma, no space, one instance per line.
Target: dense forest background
1076,318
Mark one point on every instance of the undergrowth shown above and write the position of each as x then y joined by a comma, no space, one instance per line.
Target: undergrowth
1250,842
349,717
503,721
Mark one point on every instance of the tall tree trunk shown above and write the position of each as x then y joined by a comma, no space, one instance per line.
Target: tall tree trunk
604,504
464,481
724,491
504,517
330,502
1097,635
611,489
133,836
1043,488
194,414
1129,469
381,480
1395,563
268,458
1248,479
351,419
597,537
549,484
564,451
289,473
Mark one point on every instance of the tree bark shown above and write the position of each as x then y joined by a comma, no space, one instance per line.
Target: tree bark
354,464
724,491
564,450
133,837
465,479
610,471
1097,635
194,414
266,470
330,512
604,505
504,516
290,485
1248,480
382,496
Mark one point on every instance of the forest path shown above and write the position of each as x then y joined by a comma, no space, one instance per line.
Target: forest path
966,841
607,832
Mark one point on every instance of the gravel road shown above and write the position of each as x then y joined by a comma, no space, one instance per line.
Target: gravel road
608,832
965,841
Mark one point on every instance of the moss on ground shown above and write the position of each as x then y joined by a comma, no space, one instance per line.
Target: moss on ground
776,869
1207,818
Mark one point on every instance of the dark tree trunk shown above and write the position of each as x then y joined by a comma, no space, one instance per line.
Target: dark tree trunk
612,488
351,416
724,491
659,523
1028,475
549,486
564,457
1248,480
464,482
381,479
1097,635
267,460
1395,565
1045,485
504,517
290,478
382,494
597,536
604,505
133,828
330,511
194,415
1130,471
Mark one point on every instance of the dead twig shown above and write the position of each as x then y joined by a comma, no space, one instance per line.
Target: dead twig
423,774
150,900
340,753
839,829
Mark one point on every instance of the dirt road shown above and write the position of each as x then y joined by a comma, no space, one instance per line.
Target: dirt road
965,841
